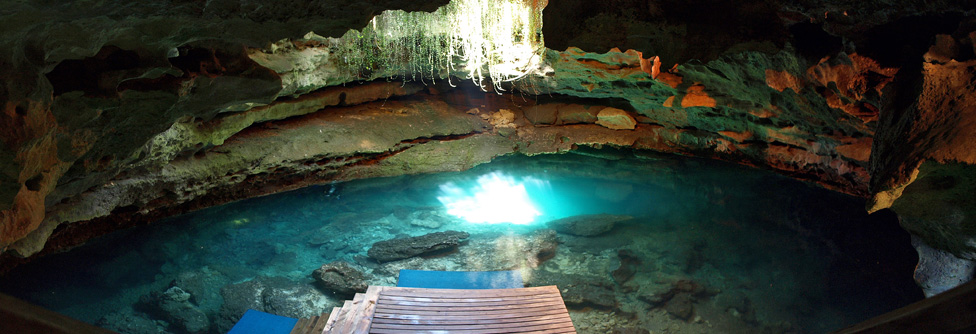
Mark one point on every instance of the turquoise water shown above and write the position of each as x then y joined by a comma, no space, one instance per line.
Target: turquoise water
712,248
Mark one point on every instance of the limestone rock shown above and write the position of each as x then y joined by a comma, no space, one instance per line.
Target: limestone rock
616,119
402,248
542,114
574,114
587,225
629,262
200,285
589,295
938,270
174,306
681,306
340,278
277,295
130,322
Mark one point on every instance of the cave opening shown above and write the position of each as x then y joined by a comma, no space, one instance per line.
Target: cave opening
634,240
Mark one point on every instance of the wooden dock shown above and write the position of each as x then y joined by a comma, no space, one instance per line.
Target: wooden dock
394,310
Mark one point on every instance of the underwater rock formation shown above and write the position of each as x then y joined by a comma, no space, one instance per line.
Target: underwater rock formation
175,307
587,225
403,248
268,294
340,278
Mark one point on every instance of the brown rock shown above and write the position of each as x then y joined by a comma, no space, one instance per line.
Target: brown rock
542,114
613,118
576,113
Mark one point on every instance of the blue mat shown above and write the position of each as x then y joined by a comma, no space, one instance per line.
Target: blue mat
257,322
510,279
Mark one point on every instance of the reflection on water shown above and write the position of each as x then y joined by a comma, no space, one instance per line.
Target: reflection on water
692,246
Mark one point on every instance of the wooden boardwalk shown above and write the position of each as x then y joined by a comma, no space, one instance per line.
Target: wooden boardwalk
394,310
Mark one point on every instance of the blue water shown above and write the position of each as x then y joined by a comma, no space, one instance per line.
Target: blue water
762,252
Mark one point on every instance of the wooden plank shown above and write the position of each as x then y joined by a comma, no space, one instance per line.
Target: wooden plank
500,317
469,330
364,317
299,326
473,299
509,327
475,307
343,319
439,321
468,302
949,312
319,326
494,313
543,331
21,317
332,319
468,293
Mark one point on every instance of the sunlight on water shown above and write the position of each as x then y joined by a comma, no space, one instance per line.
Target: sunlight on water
495,198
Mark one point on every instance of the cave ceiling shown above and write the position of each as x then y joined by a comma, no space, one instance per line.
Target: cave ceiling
121,112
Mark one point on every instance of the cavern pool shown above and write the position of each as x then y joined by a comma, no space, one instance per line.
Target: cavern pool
711,248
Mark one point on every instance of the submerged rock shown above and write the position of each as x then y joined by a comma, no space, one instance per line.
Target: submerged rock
590,295
402,248
681,306
629,262
587,225
340,278
129,322
276,295
175,307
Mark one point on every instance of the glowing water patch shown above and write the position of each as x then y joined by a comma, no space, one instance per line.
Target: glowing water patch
496,198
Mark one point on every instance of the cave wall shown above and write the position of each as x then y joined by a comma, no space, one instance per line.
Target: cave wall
116,115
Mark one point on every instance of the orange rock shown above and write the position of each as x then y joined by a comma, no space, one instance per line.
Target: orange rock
737,136
669,102
696,97
859,149
781,80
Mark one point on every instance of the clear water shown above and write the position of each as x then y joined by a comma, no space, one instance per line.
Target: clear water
761,252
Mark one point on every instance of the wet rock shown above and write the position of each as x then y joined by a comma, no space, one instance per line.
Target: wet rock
431,219
402,248
129,322
589,295
681,306
657,295
293,300
340,278
541,246
938,270
630,330
520,251
201,285
736,304
616,119
587,225
628,266
174,306
270,294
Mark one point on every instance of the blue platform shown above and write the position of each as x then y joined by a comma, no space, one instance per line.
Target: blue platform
257,322
510,279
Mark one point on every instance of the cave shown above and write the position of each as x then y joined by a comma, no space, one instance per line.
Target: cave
672,166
